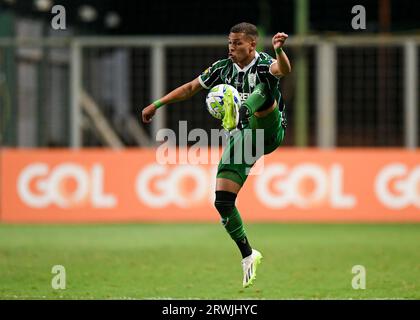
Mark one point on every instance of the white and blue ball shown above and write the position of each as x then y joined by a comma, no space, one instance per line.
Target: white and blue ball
214,100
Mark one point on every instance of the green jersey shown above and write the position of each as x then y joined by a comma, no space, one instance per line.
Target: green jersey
244,80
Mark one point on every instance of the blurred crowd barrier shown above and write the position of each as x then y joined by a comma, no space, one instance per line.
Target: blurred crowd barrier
346,91
311,185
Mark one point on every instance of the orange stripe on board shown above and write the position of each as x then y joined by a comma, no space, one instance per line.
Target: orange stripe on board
310,185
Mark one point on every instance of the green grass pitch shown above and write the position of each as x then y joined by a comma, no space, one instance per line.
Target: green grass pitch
199,261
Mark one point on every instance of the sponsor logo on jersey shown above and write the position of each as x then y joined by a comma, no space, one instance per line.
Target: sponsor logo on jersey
244,95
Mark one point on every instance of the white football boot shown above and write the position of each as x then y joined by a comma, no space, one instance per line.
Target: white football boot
250,265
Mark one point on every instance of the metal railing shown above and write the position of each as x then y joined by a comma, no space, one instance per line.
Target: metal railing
324,74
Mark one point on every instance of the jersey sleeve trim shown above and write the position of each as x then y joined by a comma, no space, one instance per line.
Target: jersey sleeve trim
269,70
202,83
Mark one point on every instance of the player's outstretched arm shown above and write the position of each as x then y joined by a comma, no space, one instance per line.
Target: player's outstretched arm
181,93
282,66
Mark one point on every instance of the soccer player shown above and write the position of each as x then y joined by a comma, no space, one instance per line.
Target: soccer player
256,77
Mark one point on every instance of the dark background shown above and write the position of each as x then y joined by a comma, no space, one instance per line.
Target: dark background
217,16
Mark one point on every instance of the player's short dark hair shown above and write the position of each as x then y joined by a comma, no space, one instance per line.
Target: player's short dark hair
249,29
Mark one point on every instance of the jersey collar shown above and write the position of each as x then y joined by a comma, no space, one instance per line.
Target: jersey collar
245,69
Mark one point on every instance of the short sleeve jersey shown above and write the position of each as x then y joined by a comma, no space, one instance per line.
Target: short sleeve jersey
244,80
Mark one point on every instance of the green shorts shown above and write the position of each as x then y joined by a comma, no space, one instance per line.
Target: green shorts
234,164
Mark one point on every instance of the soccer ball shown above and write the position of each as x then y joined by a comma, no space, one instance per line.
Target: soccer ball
214,100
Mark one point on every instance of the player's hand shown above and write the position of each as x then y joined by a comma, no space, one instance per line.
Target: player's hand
279,39
148,113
